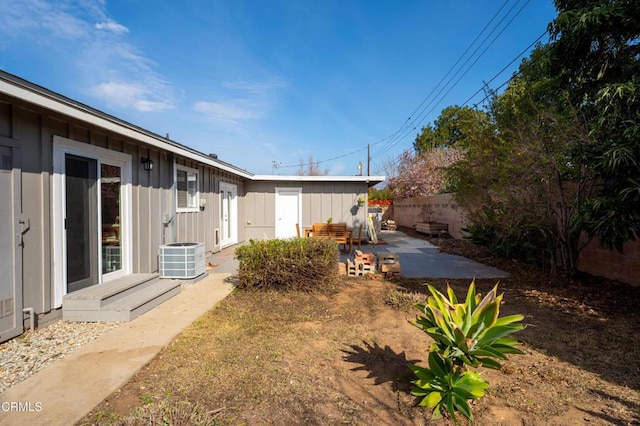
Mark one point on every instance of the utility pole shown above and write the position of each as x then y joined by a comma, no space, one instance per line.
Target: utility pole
368,159
274,165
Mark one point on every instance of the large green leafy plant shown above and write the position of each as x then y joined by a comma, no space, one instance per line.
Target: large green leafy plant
468,334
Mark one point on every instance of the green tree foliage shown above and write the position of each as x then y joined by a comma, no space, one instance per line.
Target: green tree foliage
596,55
380,194
454,126
520,181
562,153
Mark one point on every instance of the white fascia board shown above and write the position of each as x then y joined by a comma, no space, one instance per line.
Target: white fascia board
279,178
80,113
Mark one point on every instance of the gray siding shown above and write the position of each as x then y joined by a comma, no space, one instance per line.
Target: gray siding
320,200
152,194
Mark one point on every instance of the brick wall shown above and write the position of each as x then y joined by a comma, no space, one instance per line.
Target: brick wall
594,259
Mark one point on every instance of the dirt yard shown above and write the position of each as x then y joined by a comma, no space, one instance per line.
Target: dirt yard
341,358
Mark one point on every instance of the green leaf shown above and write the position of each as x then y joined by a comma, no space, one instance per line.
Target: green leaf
472,383
462,406
422,373
495,333
432,399
438,366
490,363
509,320
489,351
470,302
452,296
449,404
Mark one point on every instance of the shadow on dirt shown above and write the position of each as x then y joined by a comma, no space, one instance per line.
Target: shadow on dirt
383,365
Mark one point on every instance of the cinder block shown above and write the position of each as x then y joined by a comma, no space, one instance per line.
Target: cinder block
388,258
357,269
390,267
366,258
342,268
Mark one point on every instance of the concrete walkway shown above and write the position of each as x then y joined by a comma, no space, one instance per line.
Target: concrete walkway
66,391
421,259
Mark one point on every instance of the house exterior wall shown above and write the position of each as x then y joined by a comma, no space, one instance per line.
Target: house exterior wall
320,201
152,194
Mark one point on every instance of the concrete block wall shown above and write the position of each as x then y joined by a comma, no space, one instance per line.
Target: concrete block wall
601,261
440,208
594,259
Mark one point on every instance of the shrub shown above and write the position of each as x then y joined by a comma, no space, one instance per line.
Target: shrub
468,334
303,264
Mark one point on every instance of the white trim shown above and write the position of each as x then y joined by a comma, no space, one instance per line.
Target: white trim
113,124
233,214
196,208
287,189
61,147
42,97
281,178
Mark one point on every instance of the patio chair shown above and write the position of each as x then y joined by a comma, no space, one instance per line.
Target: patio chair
357,238
320,230
339,233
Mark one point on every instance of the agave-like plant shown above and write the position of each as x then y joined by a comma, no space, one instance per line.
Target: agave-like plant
465,334
442,385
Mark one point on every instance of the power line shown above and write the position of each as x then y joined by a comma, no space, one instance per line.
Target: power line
421,111
425,113
404,125
397,162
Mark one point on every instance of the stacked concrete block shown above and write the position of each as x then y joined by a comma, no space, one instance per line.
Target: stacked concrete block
389,264
363,263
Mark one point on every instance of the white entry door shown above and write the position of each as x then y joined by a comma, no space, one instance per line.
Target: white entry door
228,214
288,211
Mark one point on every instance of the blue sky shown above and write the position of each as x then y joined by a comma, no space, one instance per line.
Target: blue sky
264,81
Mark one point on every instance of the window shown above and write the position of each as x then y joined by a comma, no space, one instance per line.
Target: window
187,188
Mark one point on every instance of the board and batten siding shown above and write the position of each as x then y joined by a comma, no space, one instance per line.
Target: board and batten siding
33,129
201,226
320,201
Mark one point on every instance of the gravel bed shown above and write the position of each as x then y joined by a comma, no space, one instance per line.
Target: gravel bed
27,354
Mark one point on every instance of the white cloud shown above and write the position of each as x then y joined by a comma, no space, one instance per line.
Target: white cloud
113,27
231,112
40,20
255,101
107,66
130,95
255,87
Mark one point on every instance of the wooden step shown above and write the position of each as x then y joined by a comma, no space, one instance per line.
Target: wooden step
120,300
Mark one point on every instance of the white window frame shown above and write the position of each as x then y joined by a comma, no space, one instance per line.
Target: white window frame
196,172
61,147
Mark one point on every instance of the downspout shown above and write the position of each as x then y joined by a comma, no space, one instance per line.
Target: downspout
31,319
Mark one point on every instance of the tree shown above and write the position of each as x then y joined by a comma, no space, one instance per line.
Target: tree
311,168
380,194
596,54
424,173
519,180
453,126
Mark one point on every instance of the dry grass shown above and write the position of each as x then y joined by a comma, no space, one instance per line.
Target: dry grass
288,359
